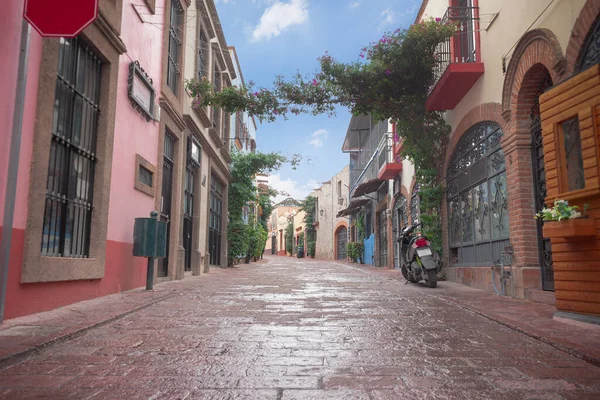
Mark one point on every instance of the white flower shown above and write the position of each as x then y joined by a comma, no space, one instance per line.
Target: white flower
575,214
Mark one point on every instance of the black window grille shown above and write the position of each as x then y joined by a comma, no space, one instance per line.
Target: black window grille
70,184
415,205
590,51
216,111
175,45
399,221
202,55
215,220
477,197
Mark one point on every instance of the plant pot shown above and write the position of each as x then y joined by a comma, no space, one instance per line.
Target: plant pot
578,227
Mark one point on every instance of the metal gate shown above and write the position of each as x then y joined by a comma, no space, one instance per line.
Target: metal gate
341,240
165,200
188,216
216,220
383,239
399,221
539,180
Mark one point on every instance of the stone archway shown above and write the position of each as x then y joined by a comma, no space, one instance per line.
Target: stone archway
340,238
538,46
536,63
583,25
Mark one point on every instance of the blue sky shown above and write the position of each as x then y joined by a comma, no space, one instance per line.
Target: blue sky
280,37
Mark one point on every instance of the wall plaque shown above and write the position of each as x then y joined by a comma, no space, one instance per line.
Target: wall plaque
140,91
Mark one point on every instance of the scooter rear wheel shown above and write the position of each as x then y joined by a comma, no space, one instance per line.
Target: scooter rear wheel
431,278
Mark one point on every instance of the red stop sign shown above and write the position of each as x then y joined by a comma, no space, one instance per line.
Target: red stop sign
60,18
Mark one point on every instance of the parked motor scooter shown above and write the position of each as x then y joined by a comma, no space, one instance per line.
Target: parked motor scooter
417,260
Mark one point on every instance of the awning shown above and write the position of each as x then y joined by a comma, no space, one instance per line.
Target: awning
354,207
367,187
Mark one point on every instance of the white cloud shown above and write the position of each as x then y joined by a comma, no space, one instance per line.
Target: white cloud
354,4
388,17
279,17
291,187
318,138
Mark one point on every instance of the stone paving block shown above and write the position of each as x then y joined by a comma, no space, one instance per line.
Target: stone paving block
33,381
279,382
300,329
325,395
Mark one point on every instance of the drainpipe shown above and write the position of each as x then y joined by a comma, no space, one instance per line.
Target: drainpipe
13,165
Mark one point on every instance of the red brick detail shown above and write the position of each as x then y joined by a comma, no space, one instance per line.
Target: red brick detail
581,29
539,46
519,168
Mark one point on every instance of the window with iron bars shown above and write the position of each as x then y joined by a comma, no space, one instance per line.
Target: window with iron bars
70,184
202,55
175,44
216,111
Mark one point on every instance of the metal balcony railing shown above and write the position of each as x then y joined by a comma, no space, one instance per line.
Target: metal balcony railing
385,151
462,47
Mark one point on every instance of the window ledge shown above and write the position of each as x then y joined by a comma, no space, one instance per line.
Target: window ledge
575,195
215,136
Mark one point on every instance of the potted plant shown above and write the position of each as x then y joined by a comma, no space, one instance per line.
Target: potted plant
563,221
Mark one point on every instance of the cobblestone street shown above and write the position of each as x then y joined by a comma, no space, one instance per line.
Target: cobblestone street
300,329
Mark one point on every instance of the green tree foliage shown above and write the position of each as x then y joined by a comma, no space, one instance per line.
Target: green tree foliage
390,80
238,234
289,237
308,206
355,251
312,248
242,191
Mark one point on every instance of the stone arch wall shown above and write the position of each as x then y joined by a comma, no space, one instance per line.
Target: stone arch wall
584,23
537,55
341,224
538,46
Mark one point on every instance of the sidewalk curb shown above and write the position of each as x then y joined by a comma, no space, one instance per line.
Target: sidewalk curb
16,357
559,346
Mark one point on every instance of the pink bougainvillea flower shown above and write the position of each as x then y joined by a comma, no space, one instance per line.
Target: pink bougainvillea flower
438,19
388,72
314,82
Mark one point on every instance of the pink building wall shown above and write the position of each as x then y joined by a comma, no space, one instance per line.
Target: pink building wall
132,135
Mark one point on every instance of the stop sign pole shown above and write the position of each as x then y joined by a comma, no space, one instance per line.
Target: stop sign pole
60,18
13,165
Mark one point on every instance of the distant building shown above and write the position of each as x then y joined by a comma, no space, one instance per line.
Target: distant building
283,212
330,225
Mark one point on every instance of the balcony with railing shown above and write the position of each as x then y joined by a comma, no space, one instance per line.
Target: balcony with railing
388,166
458,59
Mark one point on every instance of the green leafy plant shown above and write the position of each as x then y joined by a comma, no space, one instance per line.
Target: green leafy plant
360,226
355,251
243,239
312,246
238,234
561,210
289,237
308,206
